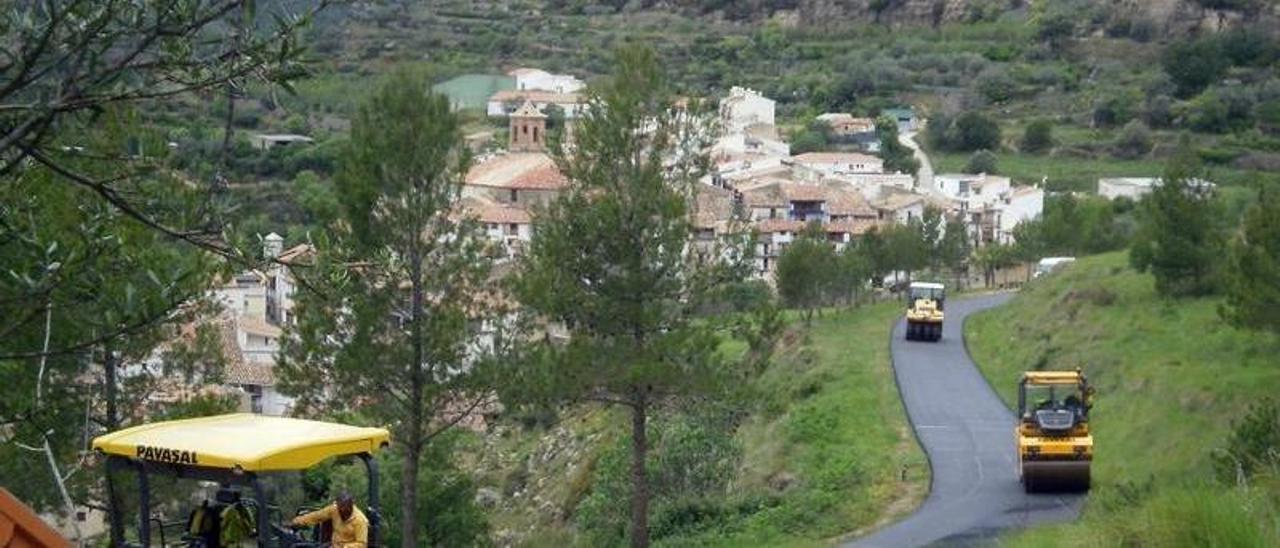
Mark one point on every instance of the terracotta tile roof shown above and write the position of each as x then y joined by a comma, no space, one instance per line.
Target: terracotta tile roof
521,171
297,253
780,225
851,226
504,214
536,96
764,196
237,369
712,206
804,192
258,326
847,202
895,202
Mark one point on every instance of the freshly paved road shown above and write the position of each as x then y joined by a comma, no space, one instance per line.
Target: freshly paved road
968,434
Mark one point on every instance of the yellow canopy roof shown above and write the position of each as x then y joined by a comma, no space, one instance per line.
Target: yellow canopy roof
1053,377
252,442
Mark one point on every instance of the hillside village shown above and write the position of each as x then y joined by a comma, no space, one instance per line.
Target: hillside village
756,186
606,273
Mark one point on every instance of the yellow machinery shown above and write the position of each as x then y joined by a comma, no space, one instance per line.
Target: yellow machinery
924,311
1055,448
238,452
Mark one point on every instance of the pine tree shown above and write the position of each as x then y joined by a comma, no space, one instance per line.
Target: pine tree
1179,238
610,261
1252,277
393,329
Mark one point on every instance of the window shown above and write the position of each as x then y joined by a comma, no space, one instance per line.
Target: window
524,129
535,134
514,228
513,195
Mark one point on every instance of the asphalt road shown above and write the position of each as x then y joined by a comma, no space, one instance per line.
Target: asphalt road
968,434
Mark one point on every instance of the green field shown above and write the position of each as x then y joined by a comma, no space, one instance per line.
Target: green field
1171,378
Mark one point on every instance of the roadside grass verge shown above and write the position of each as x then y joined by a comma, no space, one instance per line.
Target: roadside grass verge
824,439
1171,378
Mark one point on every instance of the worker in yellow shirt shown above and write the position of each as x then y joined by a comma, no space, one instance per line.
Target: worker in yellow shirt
350,527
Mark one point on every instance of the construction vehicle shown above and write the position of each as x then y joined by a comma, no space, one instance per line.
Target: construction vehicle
240,453
924,311
1055,447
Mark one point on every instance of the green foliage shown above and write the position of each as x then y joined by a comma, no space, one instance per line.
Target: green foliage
1252,273
1037,137
806,271
982,161
1208,113
392,328
608,262
1253,447
693,459
447,515
1056,26
316,197
970,131
1134,141
897,156
1072,225
1193,64
90,280
1179,238
1115,108
996,86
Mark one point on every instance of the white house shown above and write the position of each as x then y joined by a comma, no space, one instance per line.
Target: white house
815,166
843,123
536,79
759,139
745,107
1133,188
977,191
505,102
1023,204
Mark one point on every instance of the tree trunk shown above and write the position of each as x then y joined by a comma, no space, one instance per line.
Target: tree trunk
417,419
639,479
112,420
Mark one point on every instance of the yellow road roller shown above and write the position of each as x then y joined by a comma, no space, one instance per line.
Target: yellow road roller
924,311
1055,448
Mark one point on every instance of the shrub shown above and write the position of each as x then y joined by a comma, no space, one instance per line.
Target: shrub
977,131
995,85
1194,64
1038,137
1158,112
1133,141
982,161
1209,113
1253,445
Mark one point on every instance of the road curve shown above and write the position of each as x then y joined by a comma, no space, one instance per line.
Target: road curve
967,433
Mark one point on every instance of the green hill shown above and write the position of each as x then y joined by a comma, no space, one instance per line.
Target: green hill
1172,380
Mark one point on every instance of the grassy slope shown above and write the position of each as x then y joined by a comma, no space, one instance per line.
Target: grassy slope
834,422
829,423
1171,378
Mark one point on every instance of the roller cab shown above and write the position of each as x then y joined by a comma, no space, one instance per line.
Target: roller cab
1055,447
924,311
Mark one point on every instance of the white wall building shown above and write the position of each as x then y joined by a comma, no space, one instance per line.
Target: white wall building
814,166
537,79
745,107
1133,188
